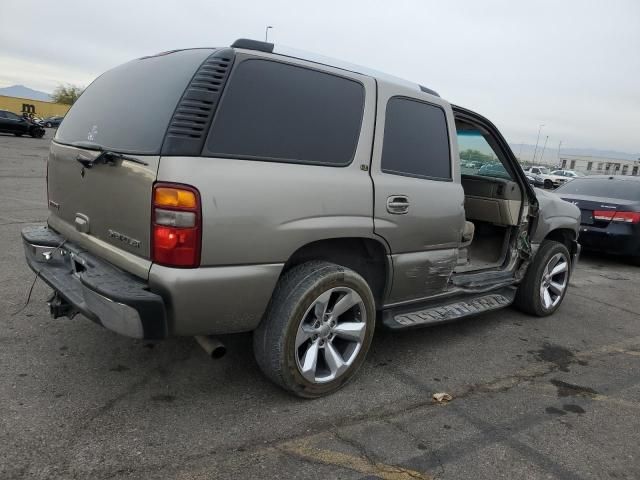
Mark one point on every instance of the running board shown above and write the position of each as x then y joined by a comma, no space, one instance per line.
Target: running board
409,316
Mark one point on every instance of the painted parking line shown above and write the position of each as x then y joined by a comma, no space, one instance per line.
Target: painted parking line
301,449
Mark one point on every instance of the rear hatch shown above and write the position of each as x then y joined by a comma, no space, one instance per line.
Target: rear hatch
106,207
601,205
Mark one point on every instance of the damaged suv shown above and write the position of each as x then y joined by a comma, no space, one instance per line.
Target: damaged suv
292,196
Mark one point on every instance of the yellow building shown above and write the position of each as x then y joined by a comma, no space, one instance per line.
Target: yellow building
36,108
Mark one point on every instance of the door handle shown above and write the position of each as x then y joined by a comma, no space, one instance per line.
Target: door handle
398,204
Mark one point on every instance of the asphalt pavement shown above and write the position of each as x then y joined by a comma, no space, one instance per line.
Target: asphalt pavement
556,397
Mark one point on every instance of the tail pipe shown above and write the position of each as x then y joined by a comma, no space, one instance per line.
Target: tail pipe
212,345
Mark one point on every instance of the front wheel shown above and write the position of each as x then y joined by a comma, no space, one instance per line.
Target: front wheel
546,281
17,134
317,329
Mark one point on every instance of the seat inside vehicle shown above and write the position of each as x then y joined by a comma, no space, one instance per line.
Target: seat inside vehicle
493,201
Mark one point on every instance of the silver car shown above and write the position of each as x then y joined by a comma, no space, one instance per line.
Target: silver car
293,196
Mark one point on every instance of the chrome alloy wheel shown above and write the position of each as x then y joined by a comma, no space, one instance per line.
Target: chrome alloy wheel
330,335
555,278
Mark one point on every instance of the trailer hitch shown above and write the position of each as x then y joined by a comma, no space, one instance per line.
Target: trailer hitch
60,307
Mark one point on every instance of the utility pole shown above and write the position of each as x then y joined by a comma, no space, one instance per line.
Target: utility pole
559,145
537,140
266,32
543,149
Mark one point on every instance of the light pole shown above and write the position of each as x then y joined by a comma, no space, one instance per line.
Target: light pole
266,32
537,140
543,149
559,145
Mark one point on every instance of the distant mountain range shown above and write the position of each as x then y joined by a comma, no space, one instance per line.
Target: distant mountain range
25,92
525,152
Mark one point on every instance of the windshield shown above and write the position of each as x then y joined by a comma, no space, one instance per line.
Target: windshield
602,187
543,170
128,108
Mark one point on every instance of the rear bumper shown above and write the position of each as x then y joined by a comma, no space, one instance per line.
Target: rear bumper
86,284
615,239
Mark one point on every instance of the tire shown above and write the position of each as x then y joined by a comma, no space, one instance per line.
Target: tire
548,184
18,134
293,314
530,296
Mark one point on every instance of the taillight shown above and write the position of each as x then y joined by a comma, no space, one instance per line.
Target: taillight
604,215
176,225
613,216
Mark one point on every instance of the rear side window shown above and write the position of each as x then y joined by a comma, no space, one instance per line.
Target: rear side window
416,140
128,108
279,112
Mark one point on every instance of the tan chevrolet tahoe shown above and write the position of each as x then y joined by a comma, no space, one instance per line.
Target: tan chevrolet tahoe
254,189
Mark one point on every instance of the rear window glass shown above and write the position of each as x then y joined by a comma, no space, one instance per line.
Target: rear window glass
280,112
128,108
622,189
416,140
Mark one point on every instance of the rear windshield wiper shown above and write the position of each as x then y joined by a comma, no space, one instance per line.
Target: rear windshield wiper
105,156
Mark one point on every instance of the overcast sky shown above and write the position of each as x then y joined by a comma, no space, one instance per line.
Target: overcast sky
572,65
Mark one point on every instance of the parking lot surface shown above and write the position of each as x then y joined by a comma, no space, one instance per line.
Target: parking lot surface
556,397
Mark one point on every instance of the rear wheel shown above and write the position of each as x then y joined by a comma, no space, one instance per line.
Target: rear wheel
546,281
317,329
18,134
548,184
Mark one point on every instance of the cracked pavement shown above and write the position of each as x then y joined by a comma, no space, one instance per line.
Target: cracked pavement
557,397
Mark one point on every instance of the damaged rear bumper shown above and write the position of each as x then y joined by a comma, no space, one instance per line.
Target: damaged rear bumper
83,283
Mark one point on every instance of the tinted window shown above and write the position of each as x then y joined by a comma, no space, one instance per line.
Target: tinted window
274,111
597,187
12,116
3,115
416,142
128,108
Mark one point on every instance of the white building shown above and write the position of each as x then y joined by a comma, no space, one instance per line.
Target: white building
599,165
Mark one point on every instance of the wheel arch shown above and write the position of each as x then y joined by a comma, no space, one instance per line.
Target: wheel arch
566,236
366,256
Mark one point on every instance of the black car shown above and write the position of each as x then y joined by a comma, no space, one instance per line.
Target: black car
534,180
52,121
610,207
12,123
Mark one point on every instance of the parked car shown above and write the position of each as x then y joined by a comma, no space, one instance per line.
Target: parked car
37,120
12,123
535,180
548,178
494,170
50,122
569,174
610,212
233,213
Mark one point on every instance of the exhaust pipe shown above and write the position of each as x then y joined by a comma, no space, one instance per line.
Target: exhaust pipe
212,345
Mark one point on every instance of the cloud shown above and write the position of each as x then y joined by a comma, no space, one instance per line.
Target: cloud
572,65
